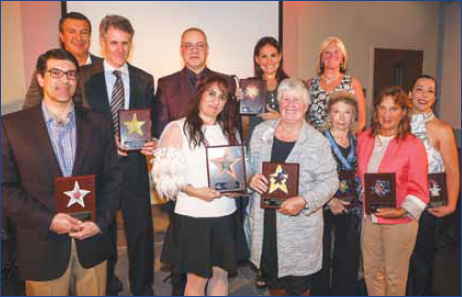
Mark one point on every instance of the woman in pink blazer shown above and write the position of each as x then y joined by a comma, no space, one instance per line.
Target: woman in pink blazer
389,234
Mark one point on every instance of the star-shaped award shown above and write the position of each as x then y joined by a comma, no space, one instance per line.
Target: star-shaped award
76,195
226,164
278,180
251,91
435,189
134,125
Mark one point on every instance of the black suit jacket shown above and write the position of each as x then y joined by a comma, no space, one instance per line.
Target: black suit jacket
174,94
29,168
35,93
134,166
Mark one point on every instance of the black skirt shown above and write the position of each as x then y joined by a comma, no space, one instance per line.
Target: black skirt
195,245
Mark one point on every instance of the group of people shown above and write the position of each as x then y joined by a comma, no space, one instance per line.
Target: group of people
313,244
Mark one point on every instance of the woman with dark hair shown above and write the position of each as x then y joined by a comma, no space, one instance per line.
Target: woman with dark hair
388,235
205,238
441,148
331,69
267,65
342,214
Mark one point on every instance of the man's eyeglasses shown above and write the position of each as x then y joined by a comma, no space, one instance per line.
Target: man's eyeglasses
198,46
58,73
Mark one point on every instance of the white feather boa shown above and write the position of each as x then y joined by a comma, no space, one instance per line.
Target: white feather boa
168,173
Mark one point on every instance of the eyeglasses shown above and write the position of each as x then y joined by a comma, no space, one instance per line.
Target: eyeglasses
198,46
58,73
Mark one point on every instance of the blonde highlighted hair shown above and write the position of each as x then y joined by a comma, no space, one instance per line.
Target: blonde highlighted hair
324,45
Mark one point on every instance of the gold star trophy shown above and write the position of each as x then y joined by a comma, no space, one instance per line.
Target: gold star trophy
134,128
226,168
283,183
254,96
75,195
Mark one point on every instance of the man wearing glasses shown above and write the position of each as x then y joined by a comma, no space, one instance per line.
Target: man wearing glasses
57,253
74,36
176,90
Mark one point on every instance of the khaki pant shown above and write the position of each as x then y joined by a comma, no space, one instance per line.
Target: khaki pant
76,280
386,251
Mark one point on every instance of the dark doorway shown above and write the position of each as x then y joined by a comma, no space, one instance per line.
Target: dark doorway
396,67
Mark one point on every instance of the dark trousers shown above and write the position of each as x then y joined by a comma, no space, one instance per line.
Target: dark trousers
139,231
344,263
420,278
113,284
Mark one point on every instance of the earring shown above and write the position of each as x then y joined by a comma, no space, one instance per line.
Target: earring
342,66
321,66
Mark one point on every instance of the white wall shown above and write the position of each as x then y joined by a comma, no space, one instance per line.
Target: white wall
362,26
232,28
13,83
450,81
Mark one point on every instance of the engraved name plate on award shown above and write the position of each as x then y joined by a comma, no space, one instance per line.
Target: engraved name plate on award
254,96
437,189
75,196
134,128
283,183
226,168
380,191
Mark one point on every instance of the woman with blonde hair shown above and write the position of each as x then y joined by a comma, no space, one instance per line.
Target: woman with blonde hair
342,214
331,69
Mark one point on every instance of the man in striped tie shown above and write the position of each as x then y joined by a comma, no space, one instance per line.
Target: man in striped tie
123,86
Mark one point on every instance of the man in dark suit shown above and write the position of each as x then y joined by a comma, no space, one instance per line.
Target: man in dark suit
175,91
58,253
123,86
75,37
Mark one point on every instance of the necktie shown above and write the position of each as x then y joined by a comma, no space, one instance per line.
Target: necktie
118,98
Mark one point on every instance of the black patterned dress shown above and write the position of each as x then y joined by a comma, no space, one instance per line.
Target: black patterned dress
317,114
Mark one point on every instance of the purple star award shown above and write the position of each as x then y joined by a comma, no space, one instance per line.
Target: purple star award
226,168
380,191
75,196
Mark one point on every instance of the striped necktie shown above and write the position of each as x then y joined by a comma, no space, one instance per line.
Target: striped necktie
118,98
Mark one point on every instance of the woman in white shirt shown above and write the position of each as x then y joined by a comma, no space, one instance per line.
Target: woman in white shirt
205,238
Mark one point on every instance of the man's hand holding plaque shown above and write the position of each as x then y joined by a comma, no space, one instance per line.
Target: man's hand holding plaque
282,183
226,168
134,128
75,196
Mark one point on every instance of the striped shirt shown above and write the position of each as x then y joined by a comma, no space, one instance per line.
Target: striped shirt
63,138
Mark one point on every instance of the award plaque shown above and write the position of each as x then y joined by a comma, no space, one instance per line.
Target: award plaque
75,196
254,96
226,168
347,188
283,183
134,128
437,189
380,191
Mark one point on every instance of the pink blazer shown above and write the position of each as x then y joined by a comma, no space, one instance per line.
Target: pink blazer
408,159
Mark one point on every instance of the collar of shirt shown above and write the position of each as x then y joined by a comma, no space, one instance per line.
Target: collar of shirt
88,61
51,119
111,79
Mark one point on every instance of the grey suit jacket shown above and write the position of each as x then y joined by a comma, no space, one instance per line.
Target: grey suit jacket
35,93
299,238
